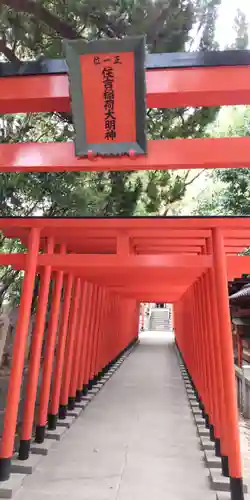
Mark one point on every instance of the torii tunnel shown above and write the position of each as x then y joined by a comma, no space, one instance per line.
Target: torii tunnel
101,269
105,268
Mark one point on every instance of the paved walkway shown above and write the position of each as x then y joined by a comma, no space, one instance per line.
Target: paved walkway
135,441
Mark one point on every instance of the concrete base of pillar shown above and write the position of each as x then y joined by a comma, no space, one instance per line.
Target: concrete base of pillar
41,448
192,398
211,460
198,420
89,397
76,412
203,431
65,422
194,403
82,404
218,481
222,495
206,444
94,391
25,466
57,434
10,487
197,412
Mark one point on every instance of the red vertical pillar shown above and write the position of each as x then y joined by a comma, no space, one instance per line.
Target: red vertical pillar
77,348
104,361
87,343
67,368
91,336
192,351
57,380
10,417
94,374
99,363
200,367
81,389
196,344
214,416
105,333
82,347
96,336
115,329
35,358
49,355
231,421
220,438
208,380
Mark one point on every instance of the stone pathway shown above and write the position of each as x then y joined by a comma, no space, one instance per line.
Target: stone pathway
135,441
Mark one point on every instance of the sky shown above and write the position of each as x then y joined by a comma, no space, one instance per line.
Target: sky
227,12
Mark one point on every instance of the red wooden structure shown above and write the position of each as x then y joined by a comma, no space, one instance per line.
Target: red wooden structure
102,264
101,269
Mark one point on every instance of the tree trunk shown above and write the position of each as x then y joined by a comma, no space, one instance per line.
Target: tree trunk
4,328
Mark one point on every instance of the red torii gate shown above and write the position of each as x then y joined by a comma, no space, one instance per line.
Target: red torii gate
118,263
103,268
171,81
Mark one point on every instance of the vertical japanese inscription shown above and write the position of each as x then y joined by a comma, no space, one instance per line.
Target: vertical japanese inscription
108,80
108,90
109,103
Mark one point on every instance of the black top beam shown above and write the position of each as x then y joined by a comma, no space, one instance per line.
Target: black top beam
152,217
153,61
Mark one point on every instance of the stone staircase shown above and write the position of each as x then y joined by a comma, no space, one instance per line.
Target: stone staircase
159,320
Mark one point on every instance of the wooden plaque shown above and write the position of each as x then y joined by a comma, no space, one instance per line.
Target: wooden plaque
107,88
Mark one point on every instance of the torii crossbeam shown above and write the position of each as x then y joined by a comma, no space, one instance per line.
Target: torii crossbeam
172,80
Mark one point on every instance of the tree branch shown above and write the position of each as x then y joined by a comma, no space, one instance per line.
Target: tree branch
195,177
105,25
51,20
9,54
157,23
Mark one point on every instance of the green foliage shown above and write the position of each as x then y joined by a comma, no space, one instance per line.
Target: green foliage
231,187
241,30
233,195
31,29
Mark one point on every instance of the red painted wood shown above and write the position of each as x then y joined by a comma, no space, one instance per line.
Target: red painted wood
166,88
224,152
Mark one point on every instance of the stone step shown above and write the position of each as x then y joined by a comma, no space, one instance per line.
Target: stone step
10,487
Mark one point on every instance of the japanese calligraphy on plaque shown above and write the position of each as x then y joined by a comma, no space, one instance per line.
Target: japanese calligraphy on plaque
109,103
107,86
